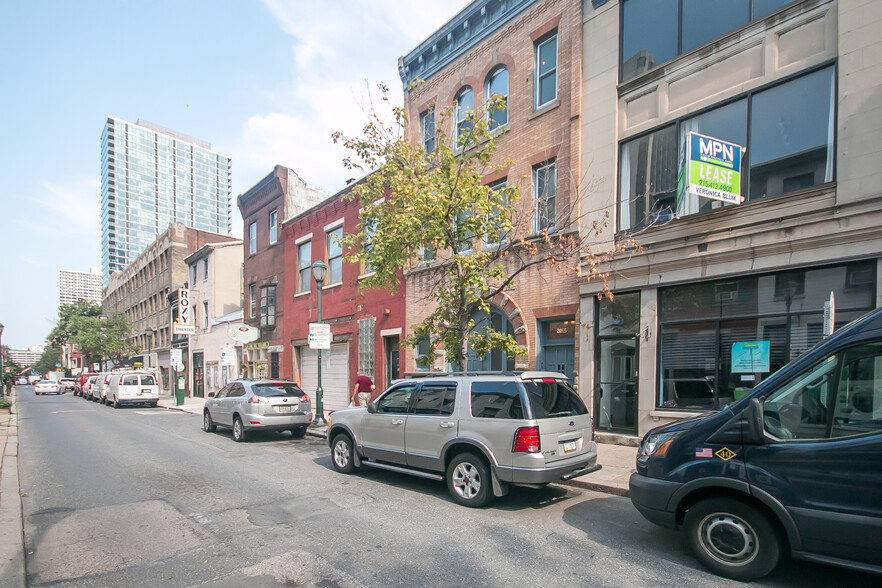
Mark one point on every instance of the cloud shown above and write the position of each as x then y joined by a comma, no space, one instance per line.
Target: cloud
340,51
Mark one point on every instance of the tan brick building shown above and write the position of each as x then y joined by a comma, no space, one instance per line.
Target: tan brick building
530,52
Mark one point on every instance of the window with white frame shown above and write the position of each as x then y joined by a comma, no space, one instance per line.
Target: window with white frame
464,104
366,346
273,226
335,256
545,196
252,300
495,236
497,85
252,238
427,130
545,78
205,269
268,306
304,264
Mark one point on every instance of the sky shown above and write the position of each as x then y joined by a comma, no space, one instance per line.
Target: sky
265,82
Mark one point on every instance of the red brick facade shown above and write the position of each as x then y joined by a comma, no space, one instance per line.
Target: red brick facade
534,136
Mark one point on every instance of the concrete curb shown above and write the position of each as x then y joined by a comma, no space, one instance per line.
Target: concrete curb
12,553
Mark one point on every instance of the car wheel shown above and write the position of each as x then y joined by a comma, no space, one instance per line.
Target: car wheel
342,454
732,539
207,424
153,404
299,432
238,430
468,480
116,403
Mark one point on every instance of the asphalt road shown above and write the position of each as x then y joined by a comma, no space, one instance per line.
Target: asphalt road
143,497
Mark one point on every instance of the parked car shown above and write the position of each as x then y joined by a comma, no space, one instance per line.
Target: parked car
69,384
481,433
792,467
47,387
81,382
99,389
87,387
267,405
132,388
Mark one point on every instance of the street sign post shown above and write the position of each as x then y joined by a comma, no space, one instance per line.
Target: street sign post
319,336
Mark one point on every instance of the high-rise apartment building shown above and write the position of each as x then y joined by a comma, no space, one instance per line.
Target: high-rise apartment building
73,286
150,178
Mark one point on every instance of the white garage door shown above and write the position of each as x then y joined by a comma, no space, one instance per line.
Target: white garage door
335,375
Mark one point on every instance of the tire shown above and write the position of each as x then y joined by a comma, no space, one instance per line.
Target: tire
342,454
468,480
299,432
116,403
732,539
153,404
238,430
207,424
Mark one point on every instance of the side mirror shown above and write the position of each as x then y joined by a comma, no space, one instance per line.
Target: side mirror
372,407
753,420
211,394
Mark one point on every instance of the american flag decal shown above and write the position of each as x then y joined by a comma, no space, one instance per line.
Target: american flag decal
704,452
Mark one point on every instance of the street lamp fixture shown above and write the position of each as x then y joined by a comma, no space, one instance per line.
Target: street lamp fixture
319,271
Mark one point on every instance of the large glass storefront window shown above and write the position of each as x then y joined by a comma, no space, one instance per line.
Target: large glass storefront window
787,129
720,339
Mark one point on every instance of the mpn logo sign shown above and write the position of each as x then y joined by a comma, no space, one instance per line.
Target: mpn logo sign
714,168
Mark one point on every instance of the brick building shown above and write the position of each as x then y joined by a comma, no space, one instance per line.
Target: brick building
269,202
530,52
141,291
366,326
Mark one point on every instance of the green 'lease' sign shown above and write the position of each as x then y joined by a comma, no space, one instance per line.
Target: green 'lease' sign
714,168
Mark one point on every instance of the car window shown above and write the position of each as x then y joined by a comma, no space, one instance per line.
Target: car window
497,400
553,398
236,390
798,410
224,391
130,381
396,401
277,389
858,408
437,399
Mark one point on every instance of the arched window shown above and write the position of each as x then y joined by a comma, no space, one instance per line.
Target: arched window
497,83
496,359
464,102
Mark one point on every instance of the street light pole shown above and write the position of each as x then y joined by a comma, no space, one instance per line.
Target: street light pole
2,370
319,270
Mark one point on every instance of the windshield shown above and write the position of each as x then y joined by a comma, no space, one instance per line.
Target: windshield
277,389
553,398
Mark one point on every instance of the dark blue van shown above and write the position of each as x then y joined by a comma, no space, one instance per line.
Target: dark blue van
794,467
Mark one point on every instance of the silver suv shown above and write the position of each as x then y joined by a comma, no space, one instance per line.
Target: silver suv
268,405
480,432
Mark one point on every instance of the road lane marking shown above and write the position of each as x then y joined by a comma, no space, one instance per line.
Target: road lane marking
78,410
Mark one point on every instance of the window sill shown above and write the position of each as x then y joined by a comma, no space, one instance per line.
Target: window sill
543,109
306,293
367,275
334,285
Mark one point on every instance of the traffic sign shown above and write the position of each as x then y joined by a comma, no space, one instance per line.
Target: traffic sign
319,336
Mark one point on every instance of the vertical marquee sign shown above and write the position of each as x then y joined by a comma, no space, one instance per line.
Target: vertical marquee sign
184,324
711,168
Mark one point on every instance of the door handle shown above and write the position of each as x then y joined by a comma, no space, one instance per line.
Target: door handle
397,421
447,424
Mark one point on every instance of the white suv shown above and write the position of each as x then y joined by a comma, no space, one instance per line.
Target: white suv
479,432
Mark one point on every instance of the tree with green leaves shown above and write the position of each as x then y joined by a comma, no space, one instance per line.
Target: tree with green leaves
98,337
49,360
417,205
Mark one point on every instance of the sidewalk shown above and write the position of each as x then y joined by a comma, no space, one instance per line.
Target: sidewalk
12,557
617,460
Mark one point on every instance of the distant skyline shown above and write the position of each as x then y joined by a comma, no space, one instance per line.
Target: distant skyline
265,82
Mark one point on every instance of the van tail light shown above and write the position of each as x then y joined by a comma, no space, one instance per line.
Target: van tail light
526,440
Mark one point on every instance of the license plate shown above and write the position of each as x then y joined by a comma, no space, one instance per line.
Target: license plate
569,446
145,391
283,408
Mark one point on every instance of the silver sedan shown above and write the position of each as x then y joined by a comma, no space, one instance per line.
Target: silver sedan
269,405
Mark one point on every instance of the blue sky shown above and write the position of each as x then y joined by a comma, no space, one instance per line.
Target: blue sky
263,81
